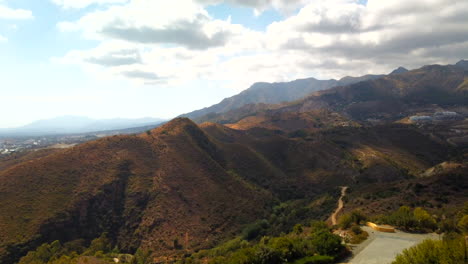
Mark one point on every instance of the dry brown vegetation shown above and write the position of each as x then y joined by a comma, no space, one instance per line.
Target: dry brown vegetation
155,188
182,187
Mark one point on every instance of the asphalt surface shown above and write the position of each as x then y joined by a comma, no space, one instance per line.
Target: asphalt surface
382,248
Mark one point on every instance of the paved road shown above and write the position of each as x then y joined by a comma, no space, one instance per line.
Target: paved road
340,205
382,248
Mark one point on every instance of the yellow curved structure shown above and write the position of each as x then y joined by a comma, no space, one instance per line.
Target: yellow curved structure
386,228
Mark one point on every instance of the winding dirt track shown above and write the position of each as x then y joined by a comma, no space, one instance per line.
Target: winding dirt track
340,205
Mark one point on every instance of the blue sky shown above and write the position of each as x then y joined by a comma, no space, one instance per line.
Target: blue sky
140,58
34,88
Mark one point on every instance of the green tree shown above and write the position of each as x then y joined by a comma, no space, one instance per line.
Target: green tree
43,254
100,244
463,224
402,218
142,257
423,219
353,218
326,243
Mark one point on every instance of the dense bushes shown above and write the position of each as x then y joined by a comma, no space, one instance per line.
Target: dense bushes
463,224
417,220
285,216
255,230
451,250
315,260
100,251
314,246
352,218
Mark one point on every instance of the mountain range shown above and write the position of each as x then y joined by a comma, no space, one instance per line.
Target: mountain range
389,98
274,93
184,187
77,124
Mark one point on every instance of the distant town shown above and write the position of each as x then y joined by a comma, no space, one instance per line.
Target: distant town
13,144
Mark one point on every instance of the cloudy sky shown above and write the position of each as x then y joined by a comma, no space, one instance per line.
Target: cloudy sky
159,58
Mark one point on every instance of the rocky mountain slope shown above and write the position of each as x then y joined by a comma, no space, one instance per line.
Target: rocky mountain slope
274,93
389,98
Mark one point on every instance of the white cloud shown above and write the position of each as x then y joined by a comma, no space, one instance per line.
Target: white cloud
325,39
181,43
383,32
9,13
85,3
3,39
285,6
180,22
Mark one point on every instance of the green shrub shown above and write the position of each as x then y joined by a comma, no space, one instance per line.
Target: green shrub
449,251
463,224
315,260
326,243
416,220
354,217
356,229
255,230
297,229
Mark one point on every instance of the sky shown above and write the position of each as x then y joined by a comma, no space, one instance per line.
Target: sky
157,58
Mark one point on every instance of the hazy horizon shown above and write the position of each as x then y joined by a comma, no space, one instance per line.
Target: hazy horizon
83,117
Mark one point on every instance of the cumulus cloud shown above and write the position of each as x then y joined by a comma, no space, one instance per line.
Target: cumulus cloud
85,3
116,58
137,74
188,34
3,39
10,13
285,6
324,39
180,22
380,32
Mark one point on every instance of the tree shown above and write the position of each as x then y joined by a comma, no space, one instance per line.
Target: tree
423,219
141,257
402,218
347,220
101,243
326,243
43,254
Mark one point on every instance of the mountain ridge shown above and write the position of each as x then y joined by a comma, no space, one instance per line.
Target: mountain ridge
274,93
387,98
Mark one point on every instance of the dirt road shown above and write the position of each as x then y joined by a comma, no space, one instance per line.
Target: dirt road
340,205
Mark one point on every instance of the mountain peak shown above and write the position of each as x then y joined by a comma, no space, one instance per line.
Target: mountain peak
463,64
176,125
399,70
